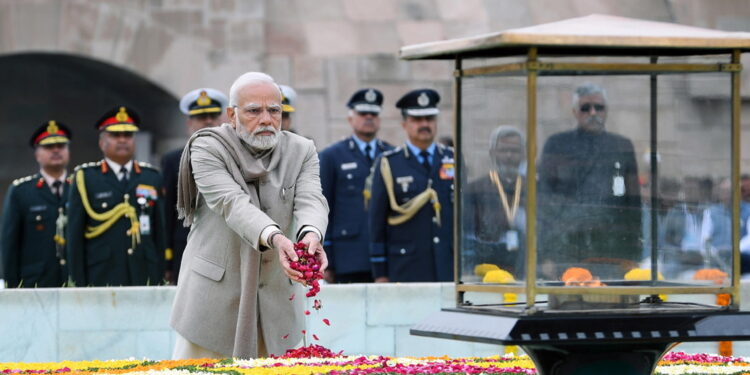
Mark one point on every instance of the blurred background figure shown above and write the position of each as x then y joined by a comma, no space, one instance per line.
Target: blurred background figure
495,215
288,100
33,229
204,108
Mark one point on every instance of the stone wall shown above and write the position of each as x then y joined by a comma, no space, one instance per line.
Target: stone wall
324,48
75,324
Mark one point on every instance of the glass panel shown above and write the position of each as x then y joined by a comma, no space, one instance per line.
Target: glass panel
595,175
493,182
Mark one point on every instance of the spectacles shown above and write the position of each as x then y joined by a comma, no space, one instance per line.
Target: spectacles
258,111
598,107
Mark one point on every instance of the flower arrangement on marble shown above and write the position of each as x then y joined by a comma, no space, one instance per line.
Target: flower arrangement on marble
335,364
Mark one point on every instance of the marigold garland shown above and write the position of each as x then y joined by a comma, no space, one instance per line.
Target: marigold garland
672,364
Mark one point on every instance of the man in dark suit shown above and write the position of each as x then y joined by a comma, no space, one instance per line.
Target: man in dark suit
589,199
344,167
411,209
203,108
34,216
116,212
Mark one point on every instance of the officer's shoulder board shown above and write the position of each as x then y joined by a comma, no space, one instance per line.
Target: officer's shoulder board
144,164
21,180
87,165
392,152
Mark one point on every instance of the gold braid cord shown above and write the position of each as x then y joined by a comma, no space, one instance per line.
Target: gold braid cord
108,218
410,208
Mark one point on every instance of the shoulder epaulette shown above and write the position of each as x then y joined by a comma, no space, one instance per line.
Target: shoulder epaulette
144,164
392,152
87,165
21,180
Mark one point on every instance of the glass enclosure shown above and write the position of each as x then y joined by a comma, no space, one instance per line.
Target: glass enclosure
632,174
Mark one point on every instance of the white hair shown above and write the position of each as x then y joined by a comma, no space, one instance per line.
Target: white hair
246,79
504,131
588,89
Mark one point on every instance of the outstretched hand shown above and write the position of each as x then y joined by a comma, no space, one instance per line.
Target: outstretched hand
314,247
285,247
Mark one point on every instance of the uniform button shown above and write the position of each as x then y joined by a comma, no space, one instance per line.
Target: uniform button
104,205
436,240
343,232
38,218
402,251
126,196
130,251
62,262
349,176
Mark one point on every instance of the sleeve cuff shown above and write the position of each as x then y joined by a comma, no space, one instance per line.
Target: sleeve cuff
265,233
309,228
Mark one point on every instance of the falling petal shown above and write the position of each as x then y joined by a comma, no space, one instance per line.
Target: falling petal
316,337
292,297
307,312
327,322
285,336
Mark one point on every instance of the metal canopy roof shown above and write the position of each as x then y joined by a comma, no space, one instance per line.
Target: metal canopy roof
593,35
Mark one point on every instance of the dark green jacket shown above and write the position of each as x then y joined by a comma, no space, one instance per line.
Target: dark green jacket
110,258
30,256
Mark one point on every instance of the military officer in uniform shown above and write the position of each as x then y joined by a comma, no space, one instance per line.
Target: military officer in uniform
203,108
411,209
116,212
33,237
344,166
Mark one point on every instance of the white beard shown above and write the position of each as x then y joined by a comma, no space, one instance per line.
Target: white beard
259,142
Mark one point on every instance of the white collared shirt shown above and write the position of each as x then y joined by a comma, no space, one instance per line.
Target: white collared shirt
116,167
51,180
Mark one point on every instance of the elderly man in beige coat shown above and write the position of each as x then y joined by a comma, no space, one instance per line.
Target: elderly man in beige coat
241,187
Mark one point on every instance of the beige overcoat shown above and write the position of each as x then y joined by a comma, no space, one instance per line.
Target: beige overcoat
228,288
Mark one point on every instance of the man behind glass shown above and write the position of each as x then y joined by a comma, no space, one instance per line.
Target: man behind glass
589,198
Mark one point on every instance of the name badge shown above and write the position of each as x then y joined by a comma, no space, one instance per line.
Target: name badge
404,181
618,186
511,240
145,222
37,208
348,166
103,194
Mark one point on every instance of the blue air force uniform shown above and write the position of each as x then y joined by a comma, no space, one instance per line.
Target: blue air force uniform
344,168
34,221
116,230
411,208
343,171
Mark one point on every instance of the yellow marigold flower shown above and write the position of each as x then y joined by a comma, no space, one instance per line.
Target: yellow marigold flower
641,274
498,276
482,269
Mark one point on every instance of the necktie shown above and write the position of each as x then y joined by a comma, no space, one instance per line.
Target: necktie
57,188
425,159
367,154
124,176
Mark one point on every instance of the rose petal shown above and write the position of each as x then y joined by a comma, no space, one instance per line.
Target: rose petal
292,297
316,337
285,336
307,312
327,322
